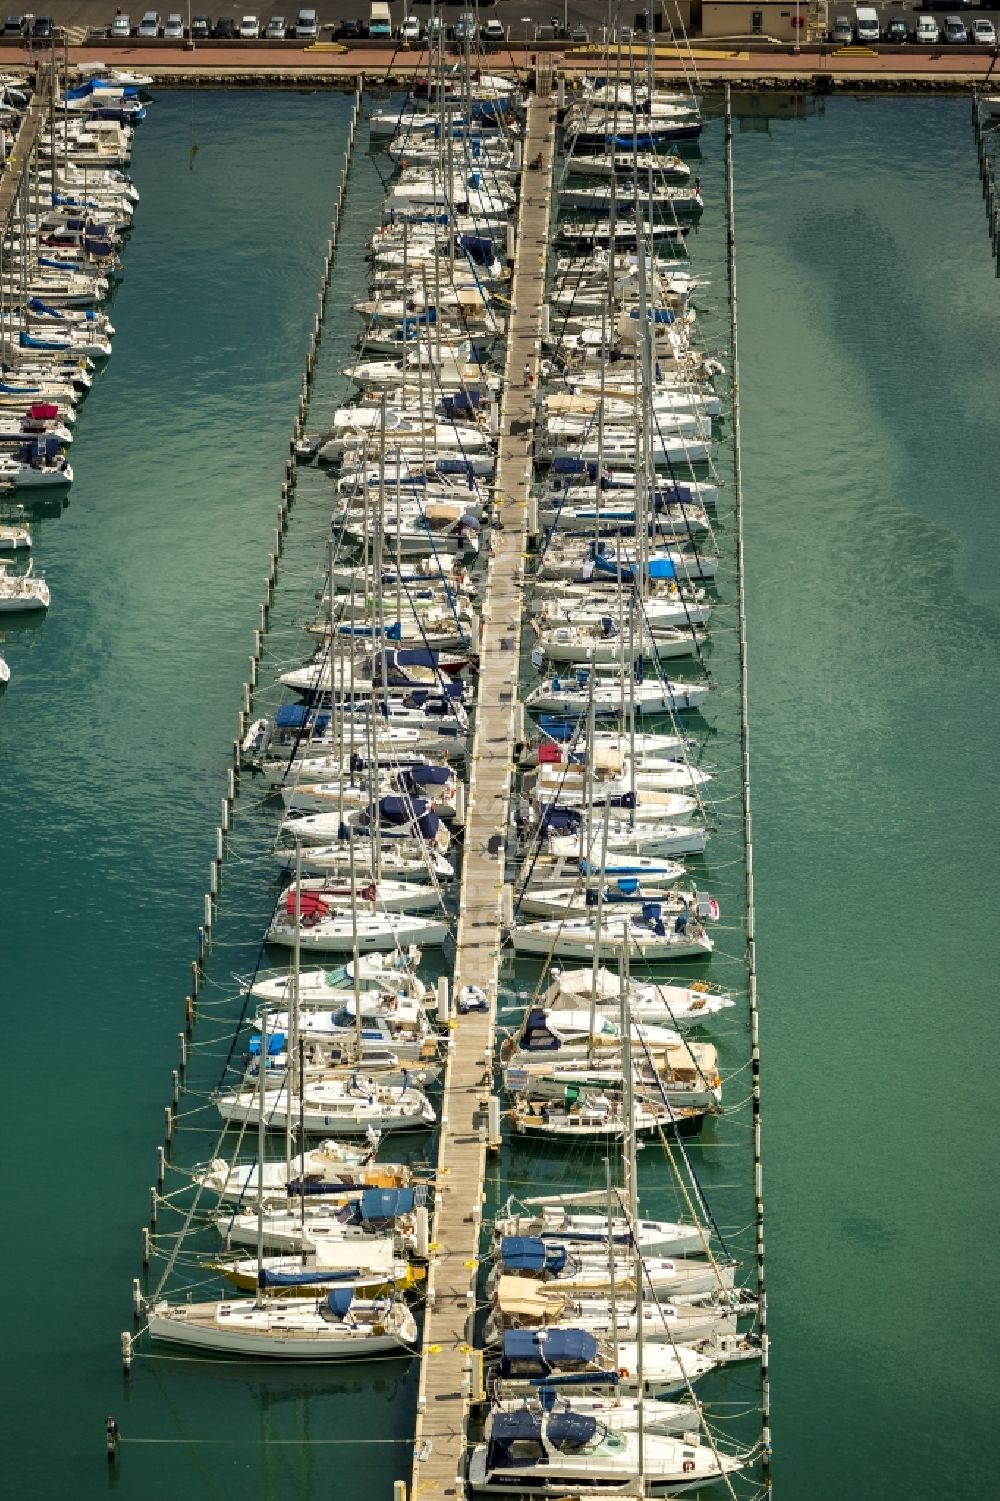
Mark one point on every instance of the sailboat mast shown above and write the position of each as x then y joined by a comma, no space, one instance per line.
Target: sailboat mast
355,953
291,1050
261,1074
296,1053
611,1262
633,1191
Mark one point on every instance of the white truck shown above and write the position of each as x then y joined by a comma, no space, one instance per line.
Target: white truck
866,26
379,21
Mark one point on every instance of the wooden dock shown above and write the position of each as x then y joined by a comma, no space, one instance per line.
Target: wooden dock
21,153
446,1375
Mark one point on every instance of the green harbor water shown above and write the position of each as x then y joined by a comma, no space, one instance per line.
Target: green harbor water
868,323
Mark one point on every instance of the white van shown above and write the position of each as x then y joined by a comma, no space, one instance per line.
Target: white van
928,32
866,27
307,26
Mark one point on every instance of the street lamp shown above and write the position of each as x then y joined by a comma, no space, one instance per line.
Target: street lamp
526,22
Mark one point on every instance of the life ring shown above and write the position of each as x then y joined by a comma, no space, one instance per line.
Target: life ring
623,1370
688,1467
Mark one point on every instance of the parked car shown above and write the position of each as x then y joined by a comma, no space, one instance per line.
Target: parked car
201,28
173,28
409,31
249,29
842,34
350,31
984,33
896,30
493,30
954,31
41,29
13,26
307,26
277,27
224,29
928,32
149,26
435,26
465,27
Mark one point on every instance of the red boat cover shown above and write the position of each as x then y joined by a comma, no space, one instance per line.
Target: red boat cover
312,905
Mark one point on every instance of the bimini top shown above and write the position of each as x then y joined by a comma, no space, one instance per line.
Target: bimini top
422,775
546,1348
526,1253
567,1431
386,1203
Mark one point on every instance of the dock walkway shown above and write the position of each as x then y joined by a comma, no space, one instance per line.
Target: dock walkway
446,1356
21,153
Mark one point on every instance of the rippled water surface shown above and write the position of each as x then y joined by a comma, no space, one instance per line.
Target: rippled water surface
869,336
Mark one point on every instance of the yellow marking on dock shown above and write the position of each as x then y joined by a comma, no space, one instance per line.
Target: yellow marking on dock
667,53
445,1383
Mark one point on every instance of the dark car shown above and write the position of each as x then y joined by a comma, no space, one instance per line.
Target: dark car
350,31
41,28
201,27
897,30
224,29
13,26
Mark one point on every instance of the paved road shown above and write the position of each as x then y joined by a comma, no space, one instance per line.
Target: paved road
521,17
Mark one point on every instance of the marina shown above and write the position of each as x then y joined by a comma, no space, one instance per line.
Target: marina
474,987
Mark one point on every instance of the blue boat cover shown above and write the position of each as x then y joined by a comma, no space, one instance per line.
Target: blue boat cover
661,568
27,342
340,1300
267,1278
460,401
386,1203
400,810
556,727
428,776
654,315
478,248
291,717
526,1253
561,820
608,565
38,306
523,1424
275,1044
548,1347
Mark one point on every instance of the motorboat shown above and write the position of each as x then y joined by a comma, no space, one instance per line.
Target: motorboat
22,591
679,1007
543,1453
575,1358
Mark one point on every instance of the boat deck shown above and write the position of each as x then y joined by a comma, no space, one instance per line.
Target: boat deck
445,1375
